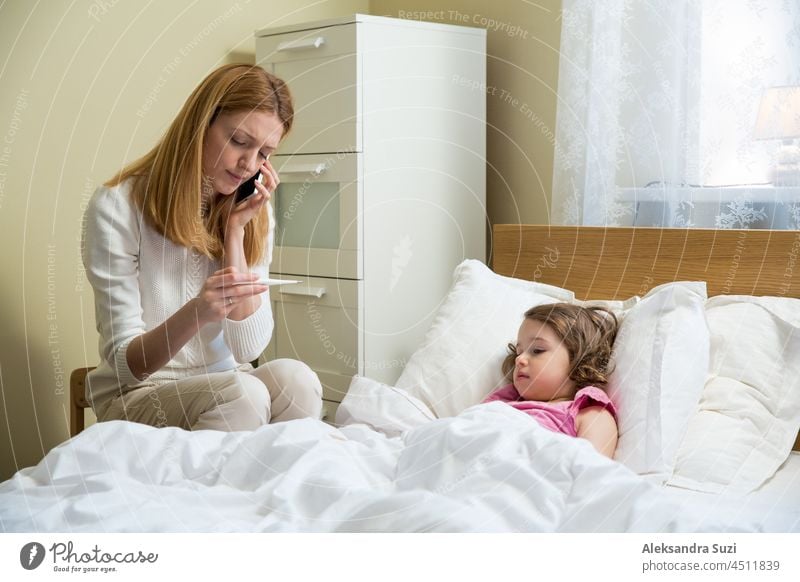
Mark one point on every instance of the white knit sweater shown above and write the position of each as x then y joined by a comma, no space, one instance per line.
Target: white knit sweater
140,278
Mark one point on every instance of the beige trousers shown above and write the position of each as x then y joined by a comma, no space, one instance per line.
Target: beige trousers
241,399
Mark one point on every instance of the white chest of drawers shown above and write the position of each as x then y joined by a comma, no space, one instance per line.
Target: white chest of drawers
382,187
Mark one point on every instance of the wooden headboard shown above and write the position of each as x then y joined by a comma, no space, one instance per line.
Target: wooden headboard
619,262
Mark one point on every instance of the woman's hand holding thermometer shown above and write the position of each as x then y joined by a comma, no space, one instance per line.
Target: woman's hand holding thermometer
270,282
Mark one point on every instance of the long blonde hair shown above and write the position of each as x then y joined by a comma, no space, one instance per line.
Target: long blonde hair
168,180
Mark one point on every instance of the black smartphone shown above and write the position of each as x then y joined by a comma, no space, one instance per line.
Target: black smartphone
247,188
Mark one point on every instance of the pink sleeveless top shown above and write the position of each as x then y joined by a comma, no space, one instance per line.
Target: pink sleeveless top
555,416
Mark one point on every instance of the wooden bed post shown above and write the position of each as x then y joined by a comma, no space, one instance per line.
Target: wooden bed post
77,400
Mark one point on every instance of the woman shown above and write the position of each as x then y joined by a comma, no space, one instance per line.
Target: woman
174,265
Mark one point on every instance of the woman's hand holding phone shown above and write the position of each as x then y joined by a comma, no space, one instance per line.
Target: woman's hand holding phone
247,188
245,208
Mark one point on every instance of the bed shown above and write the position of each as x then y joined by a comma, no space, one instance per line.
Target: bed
423,455
617,263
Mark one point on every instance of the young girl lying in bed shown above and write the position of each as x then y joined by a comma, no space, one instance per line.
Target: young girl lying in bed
559,367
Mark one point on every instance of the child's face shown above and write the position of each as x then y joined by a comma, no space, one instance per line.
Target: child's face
541,370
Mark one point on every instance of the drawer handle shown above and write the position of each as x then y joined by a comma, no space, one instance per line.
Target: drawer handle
303,290
302,44
313,169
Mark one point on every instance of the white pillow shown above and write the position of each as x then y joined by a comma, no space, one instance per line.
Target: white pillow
660,356
385,408
660,366
460,359
750,409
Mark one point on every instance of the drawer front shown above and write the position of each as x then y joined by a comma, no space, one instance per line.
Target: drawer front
318,322
322,70
318,209
327,42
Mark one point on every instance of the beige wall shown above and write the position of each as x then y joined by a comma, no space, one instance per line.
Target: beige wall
522,70
90,85
86,87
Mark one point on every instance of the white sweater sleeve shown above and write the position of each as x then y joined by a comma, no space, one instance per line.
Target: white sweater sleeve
246,339
111,257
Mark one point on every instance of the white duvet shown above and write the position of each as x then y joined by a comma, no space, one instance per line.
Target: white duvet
491,468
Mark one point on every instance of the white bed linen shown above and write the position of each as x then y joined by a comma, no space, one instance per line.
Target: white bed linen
492,468
775,505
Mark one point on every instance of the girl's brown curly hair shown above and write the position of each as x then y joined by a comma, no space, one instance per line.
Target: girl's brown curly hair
588,333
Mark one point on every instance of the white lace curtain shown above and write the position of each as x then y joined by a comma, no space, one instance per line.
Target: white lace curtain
657,101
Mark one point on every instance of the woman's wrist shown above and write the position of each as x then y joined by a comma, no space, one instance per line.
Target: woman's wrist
234,247
234,234
200,318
